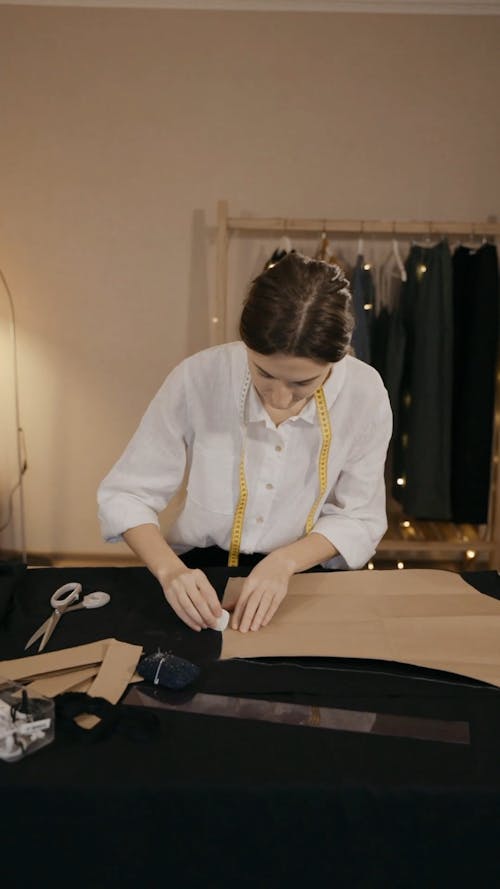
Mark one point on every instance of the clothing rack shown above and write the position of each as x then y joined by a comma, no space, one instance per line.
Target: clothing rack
406,537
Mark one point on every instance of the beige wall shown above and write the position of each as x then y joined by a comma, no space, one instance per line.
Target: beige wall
122,128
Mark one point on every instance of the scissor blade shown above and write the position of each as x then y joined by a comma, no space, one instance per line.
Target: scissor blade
36,635
53,621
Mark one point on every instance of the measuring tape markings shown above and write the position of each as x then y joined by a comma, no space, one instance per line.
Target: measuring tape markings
326,437
239,515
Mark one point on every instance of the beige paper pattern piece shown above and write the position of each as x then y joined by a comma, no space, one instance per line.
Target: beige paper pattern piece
51,661
115,674
51,685
83,687
425,617
101,669
116,671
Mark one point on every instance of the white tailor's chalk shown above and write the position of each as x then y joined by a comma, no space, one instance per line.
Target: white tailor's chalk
223,621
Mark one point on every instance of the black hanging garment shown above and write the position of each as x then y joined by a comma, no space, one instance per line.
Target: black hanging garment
475,296
379,339
363,294
420,384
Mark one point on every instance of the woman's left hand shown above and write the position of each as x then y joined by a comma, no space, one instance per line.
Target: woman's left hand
262,594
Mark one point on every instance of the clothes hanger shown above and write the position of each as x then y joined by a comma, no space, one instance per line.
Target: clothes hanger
476,242
361,243
399,261
470,243
428,240
322,251
284,247
390,271
285,244
369,256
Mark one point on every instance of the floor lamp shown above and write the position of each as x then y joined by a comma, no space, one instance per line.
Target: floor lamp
21,450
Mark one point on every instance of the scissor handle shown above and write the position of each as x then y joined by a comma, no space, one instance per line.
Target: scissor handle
96,600
65,595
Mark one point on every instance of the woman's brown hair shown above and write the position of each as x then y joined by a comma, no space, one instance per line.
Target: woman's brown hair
300,307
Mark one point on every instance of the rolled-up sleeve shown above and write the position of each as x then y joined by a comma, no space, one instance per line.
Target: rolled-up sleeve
353,517
151,469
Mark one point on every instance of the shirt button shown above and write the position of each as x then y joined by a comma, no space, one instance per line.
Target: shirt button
278,448
269,486
259,519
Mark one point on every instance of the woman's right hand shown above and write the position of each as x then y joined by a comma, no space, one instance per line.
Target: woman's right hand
187,590
192,597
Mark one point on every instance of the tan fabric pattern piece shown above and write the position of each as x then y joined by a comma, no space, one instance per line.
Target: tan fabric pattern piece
52,661
425,617
115,674
51,685
103,669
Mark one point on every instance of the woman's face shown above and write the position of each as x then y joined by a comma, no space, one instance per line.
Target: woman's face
282,381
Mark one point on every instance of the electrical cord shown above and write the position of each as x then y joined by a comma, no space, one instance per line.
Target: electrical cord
20,440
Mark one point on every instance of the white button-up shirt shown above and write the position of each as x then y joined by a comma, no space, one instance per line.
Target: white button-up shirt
205,415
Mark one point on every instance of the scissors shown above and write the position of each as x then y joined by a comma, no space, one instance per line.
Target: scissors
62,602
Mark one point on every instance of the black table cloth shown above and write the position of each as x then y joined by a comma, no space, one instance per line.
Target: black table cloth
217,802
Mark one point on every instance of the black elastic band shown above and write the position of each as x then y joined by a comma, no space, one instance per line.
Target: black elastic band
134,723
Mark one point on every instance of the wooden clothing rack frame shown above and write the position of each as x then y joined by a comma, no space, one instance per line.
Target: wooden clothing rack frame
406,537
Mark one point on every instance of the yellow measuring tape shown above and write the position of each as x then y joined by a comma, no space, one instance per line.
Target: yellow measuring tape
326,436
234,549
239,515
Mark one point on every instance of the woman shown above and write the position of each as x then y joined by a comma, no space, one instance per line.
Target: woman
285,435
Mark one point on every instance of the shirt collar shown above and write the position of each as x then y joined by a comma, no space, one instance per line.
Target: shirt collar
255,411
335,382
